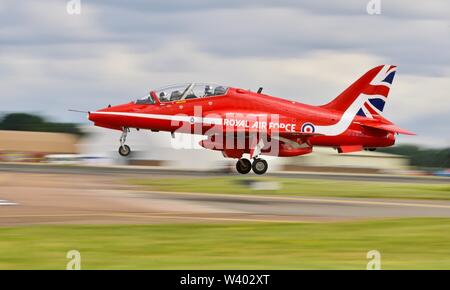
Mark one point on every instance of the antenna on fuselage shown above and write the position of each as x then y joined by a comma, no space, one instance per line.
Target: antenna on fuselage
260,90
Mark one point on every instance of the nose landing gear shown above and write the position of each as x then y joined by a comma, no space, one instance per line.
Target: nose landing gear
259,166
124,150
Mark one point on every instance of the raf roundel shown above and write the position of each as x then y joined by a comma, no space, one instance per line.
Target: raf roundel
308,128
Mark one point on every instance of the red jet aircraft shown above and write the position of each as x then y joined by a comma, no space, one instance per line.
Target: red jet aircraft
238,121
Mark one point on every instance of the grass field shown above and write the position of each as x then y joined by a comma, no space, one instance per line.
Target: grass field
403,243
303,187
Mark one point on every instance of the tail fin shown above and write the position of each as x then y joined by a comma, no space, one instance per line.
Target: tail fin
371,91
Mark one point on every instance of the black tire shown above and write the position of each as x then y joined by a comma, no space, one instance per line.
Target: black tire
243,166
260,166
124,150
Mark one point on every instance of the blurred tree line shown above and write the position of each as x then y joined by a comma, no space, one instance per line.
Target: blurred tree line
423,157
29,122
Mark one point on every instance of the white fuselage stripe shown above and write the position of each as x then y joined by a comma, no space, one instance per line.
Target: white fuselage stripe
179,118
347,118
329,130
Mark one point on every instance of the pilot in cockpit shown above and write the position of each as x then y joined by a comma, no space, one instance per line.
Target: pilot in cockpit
163,97
208,90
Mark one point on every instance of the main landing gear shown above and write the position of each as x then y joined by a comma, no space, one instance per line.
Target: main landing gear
124,150
243,166
258,165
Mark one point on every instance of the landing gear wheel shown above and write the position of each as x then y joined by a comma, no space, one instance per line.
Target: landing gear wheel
124,150
259,166
243,166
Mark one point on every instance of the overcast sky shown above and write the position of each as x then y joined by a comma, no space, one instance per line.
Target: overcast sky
309,51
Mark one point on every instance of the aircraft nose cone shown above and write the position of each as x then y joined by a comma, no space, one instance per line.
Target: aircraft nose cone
93,117
89,116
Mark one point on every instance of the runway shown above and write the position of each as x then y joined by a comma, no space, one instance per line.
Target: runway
141,170
97,199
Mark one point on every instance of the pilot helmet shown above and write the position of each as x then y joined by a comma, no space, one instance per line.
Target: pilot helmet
163,96
208,90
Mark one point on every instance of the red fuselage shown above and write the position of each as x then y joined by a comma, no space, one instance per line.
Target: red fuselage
240,104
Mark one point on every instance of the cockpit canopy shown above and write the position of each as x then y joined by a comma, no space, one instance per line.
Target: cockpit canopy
184,92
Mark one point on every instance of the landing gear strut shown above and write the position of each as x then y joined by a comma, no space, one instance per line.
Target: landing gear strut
259,166
124,150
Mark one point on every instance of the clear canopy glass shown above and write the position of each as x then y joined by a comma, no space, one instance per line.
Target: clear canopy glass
189,91
183,92
147,100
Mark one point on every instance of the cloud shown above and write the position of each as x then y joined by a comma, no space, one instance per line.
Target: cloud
309,51
244,28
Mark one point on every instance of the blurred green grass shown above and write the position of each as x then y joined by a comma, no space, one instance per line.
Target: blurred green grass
301,187
403,243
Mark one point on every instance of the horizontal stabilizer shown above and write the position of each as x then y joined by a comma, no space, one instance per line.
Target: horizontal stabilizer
387,127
